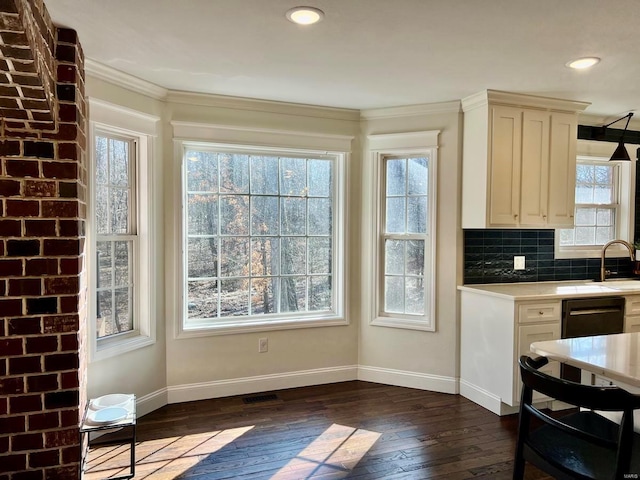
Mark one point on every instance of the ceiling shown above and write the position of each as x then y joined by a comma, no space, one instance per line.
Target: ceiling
369,53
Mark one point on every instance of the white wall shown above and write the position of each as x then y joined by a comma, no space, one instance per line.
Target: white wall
181,369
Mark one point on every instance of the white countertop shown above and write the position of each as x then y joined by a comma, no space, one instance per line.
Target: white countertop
616,357
556,290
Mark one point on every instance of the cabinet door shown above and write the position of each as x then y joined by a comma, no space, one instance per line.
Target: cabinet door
527,334
505,155
632,323
535,168
562,170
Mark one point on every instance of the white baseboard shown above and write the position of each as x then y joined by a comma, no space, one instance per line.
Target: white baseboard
151,401
401,378
485,399
262,383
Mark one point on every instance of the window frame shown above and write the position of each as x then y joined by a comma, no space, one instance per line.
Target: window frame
390,146
599,152
141,130
280,321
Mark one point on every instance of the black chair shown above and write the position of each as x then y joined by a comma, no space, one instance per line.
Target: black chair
582,444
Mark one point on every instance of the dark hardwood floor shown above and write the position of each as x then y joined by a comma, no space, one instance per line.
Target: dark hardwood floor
353,429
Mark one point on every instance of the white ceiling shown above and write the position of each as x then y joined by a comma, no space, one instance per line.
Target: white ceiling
369,53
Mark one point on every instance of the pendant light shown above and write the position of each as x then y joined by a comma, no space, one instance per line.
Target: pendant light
620,153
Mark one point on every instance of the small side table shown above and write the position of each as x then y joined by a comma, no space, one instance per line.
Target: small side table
126,425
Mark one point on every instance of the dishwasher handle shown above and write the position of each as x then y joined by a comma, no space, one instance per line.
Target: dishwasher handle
594,311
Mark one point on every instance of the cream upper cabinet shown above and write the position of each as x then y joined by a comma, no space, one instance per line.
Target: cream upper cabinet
519,161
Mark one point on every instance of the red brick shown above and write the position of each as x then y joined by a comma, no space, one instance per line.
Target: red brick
61,438
40,228
42,344
43,383
42,305
69,418
25,403
29,441
4,402
68,151
70,455
59,362
69,304
11,385
23,248
13,424
14,463
59,208
22,168
66,73
39,188
10,308
25,286
25,326
23,208
44,458
10,268
68,112
69,380
10,346
61,324
61,399
19,365
67,248
57,473
61,285
9,188
68,189
60,169
71,266
44,421
10,228
68,342
41,266
4,446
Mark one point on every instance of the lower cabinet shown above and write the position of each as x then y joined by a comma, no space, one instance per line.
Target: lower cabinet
632,314
495,332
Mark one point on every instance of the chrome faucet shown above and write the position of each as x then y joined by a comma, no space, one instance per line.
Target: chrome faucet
603,272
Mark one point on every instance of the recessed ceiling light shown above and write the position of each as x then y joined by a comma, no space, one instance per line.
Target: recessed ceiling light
582,63
305,15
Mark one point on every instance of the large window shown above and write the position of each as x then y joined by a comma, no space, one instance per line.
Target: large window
403,253
261,237
116,233
120,253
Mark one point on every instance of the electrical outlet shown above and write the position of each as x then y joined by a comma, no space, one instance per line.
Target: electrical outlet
518,263
263,345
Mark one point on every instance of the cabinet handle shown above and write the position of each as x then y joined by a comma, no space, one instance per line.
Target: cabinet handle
540,313
515,215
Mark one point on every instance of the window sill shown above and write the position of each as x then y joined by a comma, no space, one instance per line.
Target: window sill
230,328
404,323
111,347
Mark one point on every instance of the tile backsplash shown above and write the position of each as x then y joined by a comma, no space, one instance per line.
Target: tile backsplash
488,258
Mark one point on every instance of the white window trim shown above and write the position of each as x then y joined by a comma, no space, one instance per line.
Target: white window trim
601,151
143,129
278,141
394,145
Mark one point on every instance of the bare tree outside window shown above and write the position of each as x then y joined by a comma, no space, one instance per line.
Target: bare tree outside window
259,234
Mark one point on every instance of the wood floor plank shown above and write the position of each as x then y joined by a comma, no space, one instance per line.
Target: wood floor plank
356,429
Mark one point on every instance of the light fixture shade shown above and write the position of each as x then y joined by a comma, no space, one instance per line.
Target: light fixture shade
620,153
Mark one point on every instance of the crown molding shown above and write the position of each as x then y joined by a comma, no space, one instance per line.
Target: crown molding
259,105
411,110
498,97
124,80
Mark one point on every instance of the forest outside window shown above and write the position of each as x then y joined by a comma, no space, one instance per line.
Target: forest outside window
262,238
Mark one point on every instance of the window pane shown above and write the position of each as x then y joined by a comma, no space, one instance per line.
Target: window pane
119,163
603,194
585,216
234,215
105,266
264,216
319,255
293,294
394,294
417,215
584,194
124,321
234,297
293,256
604,216
202,257
119,210
102,210
395,215
418,176
104,314
122,259
319,216
293,176
319,293
320,178
202,171
234,173
265,256
585,235
202,214
394,257
566,236
415,296
415,257
264,175
102,169
294,216
604,235
396,177
264,295
202,299
234,257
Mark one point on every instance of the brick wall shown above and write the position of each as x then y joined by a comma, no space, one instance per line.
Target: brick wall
42,210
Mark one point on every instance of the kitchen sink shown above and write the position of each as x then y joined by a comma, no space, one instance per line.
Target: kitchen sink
620,284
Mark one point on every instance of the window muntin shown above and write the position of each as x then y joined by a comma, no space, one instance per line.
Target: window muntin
597,204
260,237
405,242
115,233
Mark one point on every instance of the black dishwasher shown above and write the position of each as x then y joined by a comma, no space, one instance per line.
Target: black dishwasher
582,317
